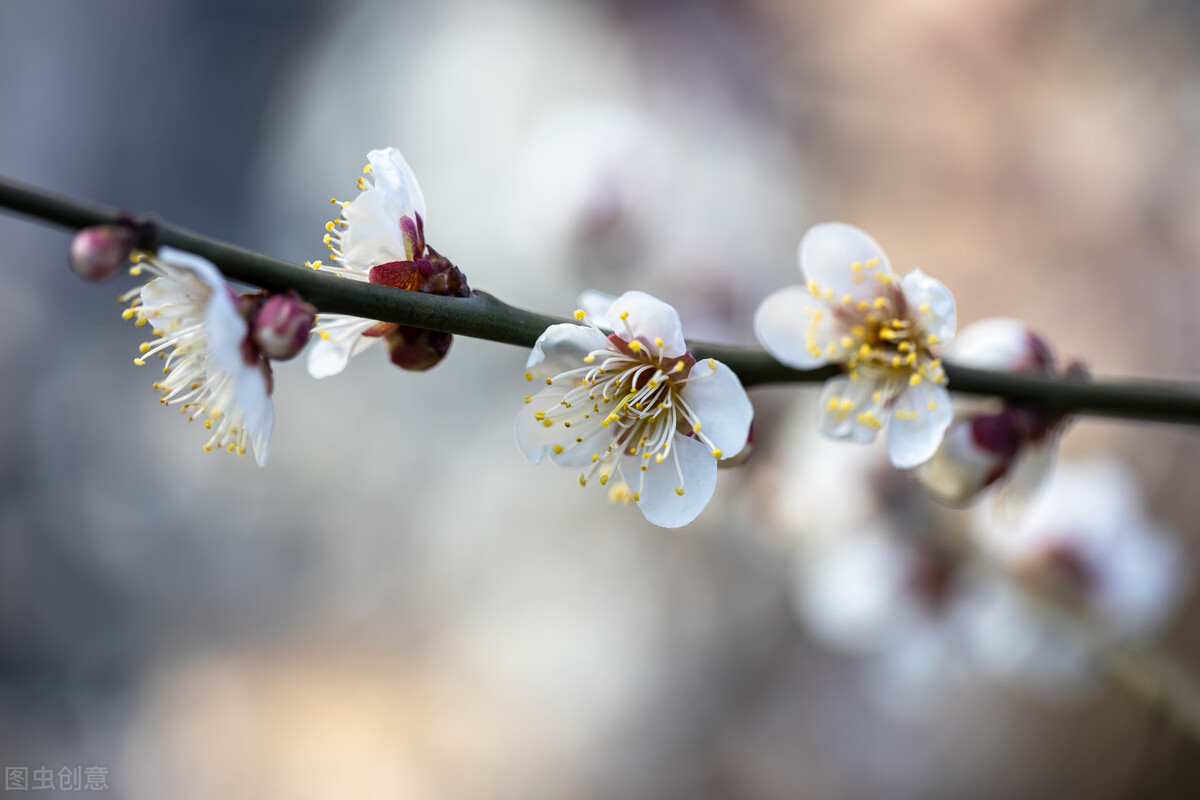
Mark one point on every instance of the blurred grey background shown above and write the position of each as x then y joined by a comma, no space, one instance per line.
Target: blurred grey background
398,606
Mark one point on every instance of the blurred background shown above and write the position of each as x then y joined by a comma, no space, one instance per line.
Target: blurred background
398,605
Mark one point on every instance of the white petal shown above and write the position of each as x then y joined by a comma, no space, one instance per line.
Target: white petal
960,468
536,440
394,177
596,305
828,253
913,441
923,292
649,318
330,356
784,325
373,235
225,330
202,268
563,347
657,498
258,412
721,404
994,343
1027,476
842,401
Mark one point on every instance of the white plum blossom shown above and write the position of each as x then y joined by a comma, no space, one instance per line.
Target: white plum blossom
382,226
1012,447
880,328
1087,542
210,370
634,406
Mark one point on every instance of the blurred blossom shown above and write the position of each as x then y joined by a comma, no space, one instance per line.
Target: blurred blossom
380,238
589,174
856,313
817,488
895,596
894,588
211,368
1013,447
1087,543
635,402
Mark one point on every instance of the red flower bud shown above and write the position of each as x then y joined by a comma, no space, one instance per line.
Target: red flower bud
281,326
98,253
417,349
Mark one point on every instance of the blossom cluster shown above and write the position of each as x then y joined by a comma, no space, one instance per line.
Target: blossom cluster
886,584
619,396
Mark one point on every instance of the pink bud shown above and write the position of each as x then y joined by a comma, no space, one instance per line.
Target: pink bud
98,253
282,325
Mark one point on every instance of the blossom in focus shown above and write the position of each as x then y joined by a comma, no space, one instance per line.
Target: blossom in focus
380,238
1014,446
210,368
634,406
880,328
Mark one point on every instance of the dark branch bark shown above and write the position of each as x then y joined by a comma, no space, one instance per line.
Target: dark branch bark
483,316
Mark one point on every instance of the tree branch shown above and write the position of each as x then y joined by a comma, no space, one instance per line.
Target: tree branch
483,316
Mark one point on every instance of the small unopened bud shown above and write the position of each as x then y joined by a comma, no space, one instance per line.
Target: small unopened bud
282,325
100,252
417,349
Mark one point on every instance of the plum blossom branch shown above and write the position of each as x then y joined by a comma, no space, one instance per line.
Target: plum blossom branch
483,316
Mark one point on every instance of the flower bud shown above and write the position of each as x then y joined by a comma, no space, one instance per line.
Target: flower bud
417,349
282,325
97,253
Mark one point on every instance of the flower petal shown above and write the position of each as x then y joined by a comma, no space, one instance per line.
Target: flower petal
849,410
563,347
330,356
202,268
960,469
648,318
829,254
655,486
714,392
997,343
596,305
795,327
373,235
1028,475
536,440
394,177
258,412
225,330
931,304
919,422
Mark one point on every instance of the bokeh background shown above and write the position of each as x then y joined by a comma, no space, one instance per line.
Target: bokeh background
397,605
